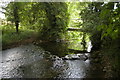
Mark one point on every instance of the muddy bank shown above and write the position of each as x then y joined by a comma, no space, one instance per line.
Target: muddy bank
18,43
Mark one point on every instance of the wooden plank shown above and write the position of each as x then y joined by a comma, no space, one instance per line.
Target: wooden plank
78,51
75,29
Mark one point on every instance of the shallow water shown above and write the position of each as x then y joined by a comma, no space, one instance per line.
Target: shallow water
41,61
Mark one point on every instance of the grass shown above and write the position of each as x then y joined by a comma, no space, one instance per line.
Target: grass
9,34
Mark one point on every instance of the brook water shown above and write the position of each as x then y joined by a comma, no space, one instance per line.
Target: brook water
44,60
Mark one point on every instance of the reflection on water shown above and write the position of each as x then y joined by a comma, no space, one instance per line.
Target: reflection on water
75,69
31,61
59,49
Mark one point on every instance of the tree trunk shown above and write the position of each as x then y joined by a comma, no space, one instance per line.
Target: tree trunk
17,25
84,41
16,16
96,41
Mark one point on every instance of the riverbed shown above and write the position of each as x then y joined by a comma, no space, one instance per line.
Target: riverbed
44,60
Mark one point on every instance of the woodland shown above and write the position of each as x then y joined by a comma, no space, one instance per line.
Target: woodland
42,22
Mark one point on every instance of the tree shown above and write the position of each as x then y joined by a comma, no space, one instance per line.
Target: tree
56,20
13,13
90,17
101,20
16,15
49,18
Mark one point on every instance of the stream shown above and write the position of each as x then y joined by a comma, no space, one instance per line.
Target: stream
44,60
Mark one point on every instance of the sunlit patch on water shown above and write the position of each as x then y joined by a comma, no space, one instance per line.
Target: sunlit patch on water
89,46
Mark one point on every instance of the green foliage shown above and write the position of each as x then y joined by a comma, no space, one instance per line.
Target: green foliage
49,18
110,20
56,20
74,9
101,19
13,13
90,17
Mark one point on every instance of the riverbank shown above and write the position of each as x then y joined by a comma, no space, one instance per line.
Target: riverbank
111,63
12,39
18,43
107,62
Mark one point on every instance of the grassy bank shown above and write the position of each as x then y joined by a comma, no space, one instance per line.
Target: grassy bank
11,38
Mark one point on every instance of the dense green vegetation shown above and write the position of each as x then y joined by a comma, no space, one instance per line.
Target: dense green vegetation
100,24
50,18
102,20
